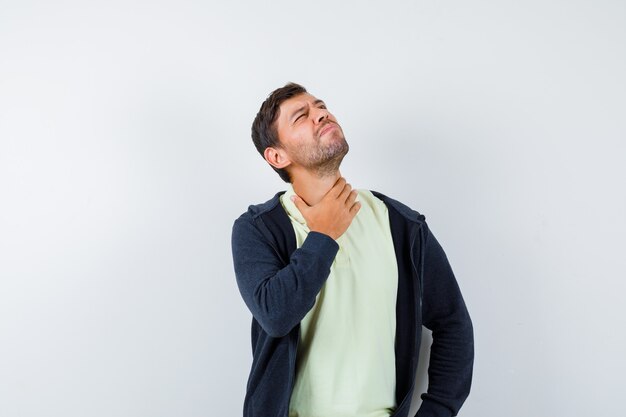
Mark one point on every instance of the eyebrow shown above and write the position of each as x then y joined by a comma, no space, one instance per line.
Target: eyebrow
299,109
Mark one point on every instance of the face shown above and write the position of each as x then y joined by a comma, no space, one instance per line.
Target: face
310,135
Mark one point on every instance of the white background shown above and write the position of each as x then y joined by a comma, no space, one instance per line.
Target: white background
125,156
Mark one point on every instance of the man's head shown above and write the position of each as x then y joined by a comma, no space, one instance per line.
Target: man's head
294,131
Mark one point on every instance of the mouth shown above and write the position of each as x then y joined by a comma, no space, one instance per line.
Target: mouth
327,128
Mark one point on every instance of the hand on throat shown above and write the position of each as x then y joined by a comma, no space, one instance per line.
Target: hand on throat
311,187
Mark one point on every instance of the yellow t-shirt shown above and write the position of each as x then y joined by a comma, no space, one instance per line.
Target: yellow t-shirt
346,358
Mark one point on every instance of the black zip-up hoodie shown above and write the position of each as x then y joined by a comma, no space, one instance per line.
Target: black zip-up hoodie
279,284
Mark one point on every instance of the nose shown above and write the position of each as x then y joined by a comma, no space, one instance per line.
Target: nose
323,114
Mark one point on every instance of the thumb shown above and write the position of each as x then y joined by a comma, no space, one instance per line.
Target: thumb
300,203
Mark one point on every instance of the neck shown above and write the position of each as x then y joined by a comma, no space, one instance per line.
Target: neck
311,187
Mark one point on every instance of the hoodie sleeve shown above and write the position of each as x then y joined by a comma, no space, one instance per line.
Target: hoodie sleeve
278,295
452,351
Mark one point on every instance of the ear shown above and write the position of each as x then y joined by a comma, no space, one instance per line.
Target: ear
276,157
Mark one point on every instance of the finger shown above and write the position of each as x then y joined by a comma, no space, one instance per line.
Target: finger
355,207
343,196
300,203
352,198
338,187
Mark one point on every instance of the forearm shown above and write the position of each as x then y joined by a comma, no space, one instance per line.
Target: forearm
450,368
278,295
452,351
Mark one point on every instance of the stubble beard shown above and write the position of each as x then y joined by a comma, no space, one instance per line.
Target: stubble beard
324,160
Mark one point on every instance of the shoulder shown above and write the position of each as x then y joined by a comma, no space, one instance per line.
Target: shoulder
266,221
256,210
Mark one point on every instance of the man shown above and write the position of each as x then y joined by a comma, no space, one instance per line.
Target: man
340,282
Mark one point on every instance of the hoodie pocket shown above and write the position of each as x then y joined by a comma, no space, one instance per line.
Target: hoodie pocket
272,389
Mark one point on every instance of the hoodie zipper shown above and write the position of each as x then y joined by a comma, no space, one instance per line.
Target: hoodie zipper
419,282
414,234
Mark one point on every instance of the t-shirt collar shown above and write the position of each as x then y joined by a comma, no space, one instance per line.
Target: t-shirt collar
290,206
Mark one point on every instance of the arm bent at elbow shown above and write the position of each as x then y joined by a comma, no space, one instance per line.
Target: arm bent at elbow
452,350
279,295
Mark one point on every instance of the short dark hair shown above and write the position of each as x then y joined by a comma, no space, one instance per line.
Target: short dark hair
264,131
